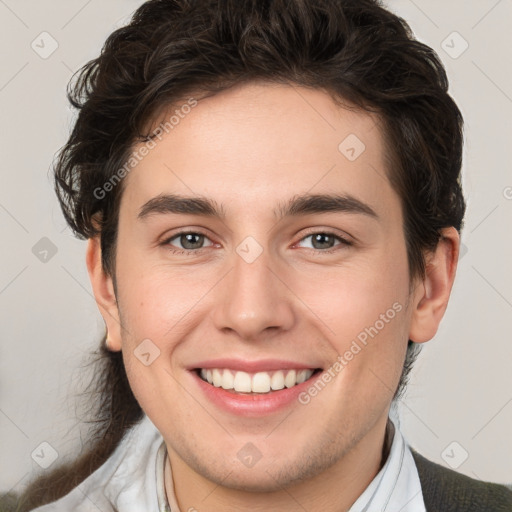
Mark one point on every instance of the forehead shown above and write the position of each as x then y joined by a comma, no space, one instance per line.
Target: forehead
258,144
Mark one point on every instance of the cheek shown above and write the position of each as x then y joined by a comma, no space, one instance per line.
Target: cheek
159,308
157,301
352,297
363,316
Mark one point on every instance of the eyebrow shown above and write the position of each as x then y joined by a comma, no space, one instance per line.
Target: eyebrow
323,203
170,203
296,206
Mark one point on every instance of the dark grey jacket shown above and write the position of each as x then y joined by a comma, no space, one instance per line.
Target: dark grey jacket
445,490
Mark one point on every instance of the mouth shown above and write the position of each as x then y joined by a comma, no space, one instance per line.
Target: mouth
259,383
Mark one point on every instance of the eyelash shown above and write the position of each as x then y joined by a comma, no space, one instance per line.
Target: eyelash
190,252
344,243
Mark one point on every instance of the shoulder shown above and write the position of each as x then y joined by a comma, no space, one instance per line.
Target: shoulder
446,490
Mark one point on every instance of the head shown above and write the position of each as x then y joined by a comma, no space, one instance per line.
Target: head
312,154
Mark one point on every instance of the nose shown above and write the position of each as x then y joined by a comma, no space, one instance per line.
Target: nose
255,302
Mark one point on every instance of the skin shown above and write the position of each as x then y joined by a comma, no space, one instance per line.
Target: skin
251,149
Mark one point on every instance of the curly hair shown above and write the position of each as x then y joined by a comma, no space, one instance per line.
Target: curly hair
355,50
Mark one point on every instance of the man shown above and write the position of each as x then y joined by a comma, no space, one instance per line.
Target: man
271,193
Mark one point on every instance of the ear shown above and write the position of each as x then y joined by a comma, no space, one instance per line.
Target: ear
432,293
103,289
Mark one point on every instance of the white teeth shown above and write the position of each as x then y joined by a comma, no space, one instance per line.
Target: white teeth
301,376
290,379
242,382
217,378
227,380
309,374
277,381
261,382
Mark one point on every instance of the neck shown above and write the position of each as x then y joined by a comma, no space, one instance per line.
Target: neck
352,474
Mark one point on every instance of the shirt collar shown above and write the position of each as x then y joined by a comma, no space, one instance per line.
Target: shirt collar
396,487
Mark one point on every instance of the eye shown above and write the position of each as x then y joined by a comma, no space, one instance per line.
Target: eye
187,241
324,241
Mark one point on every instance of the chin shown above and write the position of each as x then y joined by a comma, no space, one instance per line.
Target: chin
266,476
263,480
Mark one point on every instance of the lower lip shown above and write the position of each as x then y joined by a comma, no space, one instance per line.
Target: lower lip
253,404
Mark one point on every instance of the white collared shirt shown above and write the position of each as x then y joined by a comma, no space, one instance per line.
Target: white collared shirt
132,480
396,487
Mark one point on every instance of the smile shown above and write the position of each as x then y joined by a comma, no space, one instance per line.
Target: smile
260,382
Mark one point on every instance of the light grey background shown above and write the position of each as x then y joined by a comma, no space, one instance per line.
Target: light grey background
461,387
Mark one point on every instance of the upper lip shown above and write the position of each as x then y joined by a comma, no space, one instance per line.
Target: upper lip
261,365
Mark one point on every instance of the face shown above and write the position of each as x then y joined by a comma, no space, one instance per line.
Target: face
291,266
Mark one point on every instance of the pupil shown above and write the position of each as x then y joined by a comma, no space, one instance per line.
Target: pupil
322,241
187,241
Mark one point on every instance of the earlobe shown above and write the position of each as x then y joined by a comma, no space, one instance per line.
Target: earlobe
104,293
432,294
